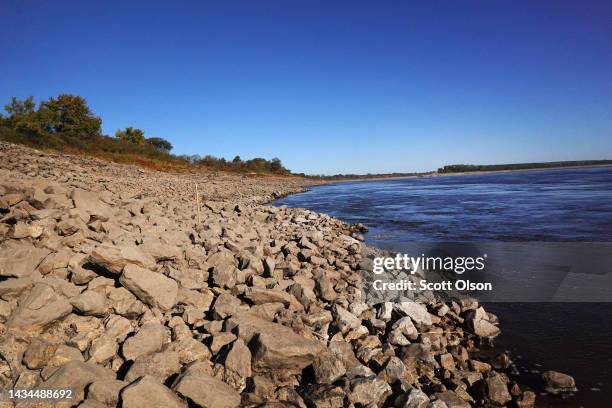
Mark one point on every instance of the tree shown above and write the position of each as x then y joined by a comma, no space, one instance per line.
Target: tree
160,144
68,114
276,165
22,115
132,135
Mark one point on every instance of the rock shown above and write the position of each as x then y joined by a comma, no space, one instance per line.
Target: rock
118,328
282,350
402,332
147,392
451,399
224,276
259,296
76,375
555,381
152,288
206,391
527,400
497,390
447,361
326,396
328,368
226,305
274,346
102,349
106,391
12,288
42,307
416,311
63,355
158,365
345,320
90,203
393,371
90,303
416,399
91,403
149,339
478,323
190,350
219,340
366,391
38,354
19,260
114,258
124,303
237,365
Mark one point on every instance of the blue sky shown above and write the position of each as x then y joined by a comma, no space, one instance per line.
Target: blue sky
329,87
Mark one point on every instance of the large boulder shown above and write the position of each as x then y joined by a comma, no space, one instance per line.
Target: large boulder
20,259
274,346
114,258
43,306
151,287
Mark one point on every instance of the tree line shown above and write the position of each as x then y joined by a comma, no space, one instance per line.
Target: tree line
66,123
463,168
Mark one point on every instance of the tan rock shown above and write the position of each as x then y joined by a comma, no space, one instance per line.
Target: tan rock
20,259
147,392
149,339
42,307
152,288
114,258
206,391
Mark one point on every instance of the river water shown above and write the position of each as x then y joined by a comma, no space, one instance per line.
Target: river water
538,207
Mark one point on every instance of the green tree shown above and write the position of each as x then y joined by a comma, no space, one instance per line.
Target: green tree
276,165
159,144
22,115
68,114
132,135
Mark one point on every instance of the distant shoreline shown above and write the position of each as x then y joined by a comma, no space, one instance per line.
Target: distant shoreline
464,173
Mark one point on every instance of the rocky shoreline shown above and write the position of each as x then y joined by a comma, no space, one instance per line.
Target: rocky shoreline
117,283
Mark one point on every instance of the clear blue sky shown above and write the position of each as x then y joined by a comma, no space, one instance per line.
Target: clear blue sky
329,86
